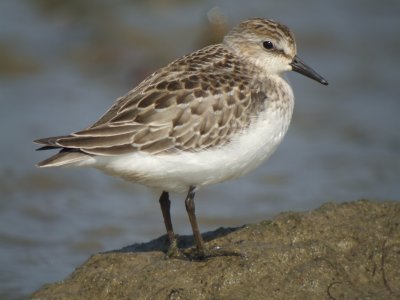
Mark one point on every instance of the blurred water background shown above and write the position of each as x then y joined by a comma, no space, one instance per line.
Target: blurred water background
62,64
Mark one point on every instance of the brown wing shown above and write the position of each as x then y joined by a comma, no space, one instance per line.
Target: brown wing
194,103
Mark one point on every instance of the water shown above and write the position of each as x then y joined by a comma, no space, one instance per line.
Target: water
62,67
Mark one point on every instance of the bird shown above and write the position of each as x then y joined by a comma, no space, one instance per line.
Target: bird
212,115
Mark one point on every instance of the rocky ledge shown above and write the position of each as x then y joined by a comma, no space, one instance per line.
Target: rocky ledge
339,251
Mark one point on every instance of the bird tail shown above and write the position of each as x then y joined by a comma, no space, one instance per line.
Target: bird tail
66,156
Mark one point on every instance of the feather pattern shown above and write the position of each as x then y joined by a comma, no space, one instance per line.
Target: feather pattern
194,103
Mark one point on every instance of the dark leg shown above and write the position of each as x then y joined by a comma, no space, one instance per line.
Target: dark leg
190,208
165,204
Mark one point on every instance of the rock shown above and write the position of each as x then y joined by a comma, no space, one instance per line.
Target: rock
339,251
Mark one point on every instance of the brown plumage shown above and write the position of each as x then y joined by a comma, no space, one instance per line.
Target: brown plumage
182,107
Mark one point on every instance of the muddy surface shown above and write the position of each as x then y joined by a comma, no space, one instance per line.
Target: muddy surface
339,251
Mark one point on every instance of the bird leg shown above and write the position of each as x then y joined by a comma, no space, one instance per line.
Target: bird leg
165,204
174,251
190,209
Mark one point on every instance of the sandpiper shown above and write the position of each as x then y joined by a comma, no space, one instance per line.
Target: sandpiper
212,115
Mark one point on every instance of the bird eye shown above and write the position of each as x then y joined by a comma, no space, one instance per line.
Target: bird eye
268,45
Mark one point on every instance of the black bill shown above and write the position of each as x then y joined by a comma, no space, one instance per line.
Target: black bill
300,67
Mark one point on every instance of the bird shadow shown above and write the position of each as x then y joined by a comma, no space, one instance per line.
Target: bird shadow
162,243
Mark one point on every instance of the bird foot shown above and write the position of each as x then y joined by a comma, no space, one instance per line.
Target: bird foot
174,251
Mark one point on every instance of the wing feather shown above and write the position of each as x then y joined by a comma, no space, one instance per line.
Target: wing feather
192,104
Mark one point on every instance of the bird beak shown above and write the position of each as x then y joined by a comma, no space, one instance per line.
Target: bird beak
300,67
